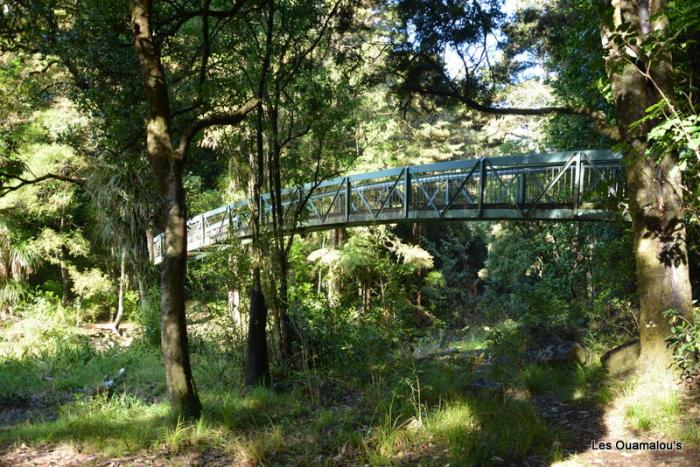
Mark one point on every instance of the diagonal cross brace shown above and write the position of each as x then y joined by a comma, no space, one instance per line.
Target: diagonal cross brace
391,192
561,172
461,186
510,195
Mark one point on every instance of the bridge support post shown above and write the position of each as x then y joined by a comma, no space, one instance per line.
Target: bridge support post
577,183
406,192
522,189
482,185
447,192
348,199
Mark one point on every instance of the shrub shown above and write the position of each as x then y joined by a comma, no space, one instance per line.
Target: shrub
148,317
685,342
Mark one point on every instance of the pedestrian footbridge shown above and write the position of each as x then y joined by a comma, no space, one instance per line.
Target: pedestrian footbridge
565,186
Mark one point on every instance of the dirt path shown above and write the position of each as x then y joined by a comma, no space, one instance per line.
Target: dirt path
585,424
63,455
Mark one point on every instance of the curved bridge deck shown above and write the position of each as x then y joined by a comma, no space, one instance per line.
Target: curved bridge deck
573,185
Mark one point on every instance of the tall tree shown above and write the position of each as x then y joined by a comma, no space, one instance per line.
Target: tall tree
303,111
635,34
95,41
638,64
167,162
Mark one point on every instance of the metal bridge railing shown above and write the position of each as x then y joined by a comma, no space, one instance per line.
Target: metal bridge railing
575,185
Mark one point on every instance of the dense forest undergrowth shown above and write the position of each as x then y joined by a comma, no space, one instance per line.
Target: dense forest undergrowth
365,390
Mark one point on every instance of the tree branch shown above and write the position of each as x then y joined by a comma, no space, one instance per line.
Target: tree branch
229,118
181,18
5,189
299,59
598,117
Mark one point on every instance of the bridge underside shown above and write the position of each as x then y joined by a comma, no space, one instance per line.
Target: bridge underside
566,186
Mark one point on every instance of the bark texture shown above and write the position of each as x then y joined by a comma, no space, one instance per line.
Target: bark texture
257,370
167,161
654,183
167,165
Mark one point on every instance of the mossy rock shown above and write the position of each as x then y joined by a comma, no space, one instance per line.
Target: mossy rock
622,359
565,352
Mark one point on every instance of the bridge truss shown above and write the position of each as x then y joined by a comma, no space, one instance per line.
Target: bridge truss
572,185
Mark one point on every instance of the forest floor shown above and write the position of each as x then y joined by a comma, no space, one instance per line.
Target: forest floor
589,426
579,420
453,405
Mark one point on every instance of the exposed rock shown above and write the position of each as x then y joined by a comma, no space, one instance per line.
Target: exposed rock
621,359
565,352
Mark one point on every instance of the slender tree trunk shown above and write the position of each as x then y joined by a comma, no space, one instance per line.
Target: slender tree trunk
366,296
280,260
149,244
65,276
257,370
173,325
654,183
287,331
334,278
142,288
167,164
234,309
65,281
120,295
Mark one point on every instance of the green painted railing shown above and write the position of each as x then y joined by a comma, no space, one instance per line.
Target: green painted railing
572,185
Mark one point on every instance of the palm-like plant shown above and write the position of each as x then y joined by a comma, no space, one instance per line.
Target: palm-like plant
124,203
16,263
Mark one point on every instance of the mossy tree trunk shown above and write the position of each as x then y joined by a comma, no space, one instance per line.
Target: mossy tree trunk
640,80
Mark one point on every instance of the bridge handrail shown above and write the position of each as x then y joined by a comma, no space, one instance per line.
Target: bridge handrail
425,173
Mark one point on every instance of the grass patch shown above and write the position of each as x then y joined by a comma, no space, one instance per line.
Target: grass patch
653,402
467,431
381,409
568,381
113,426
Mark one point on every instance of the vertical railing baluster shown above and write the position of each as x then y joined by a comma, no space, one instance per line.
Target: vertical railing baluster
447,191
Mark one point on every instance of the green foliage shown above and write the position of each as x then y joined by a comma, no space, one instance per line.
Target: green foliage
357,308
459,253
148,317
685,341
91,283
556,282
16,261
200,199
